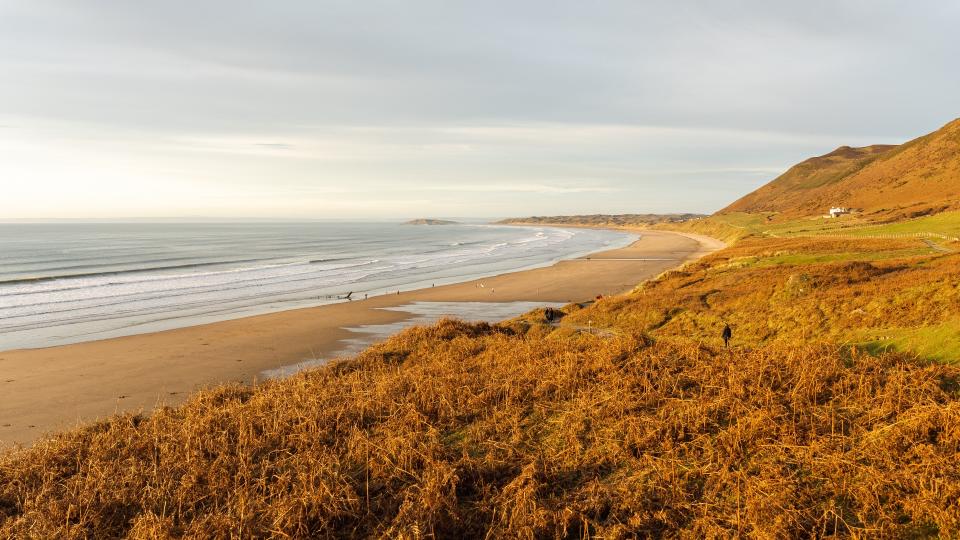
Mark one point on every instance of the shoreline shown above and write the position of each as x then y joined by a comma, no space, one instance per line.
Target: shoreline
107,327
51,389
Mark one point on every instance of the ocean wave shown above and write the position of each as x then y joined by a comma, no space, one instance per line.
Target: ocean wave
171,299
91,282
175,287
141,270
271,274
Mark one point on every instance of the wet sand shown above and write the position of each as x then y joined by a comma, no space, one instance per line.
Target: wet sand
52,389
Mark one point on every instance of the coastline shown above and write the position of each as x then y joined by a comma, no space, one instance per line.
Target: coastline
52,389
364,258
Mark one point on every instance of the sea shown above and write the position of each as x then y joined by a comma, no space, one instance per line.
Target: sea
65,283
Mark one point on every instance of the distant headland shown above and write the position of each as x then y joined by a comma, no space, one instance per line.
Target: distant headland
427,221
603,220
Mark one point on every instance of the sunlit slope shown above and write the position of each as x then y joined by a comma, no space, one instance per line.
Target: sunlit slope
807,177
885,182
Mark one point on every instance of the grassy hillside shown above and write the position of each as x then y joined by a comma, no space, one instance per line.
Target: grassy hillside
625,418
885,183
863,292
467,430
805,177
730,228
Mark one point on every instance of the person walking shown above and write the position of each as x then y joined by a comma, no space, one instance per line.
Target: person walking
726,335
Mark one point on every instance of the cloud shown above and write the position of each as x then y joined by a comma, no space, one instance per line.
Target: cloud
623,105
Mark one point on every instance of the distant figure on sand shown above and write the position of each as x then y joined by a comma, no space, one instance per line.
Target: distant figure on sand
726,335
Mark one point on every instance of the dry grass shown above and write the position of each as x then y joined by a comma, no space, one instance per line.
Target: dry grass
793,291
463,430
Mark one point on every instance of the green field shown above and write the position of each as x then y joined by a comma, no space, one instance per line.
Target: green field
941,227
797,259
938,342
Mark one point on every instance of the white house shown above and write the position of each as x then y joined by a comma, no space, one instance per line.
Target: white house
838,211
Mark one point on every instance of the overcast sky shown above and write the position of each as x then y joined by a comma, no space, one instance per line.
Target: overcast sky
406,108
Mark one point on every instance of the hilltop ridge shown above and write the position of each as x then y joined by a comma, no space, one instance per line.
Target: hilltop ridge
882,182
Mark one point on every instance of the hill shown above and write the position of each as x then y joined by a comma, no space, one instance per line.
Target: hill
882,182
806,177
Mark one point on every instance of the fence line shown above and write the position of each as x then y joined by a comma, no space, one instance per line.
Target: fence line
890,235
881,236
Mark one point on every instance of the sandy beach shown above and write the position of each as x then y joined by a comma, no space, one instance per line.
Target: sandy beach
51,389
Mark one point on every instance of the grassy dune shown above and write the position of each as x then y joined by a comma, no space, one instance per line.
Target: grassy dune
730,228
835,413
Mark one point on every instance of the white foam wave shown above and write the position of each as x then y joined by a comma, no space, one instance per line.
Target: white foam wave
32,313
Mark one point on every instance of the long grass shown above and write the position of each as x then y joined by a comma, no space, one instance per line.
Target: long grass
796,291
463,430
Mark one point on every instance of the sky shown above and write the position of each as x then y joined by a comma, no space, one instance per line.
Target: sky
414,108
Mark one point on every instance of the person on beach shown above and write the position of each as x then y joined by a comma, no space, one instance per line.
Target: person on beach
726,335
